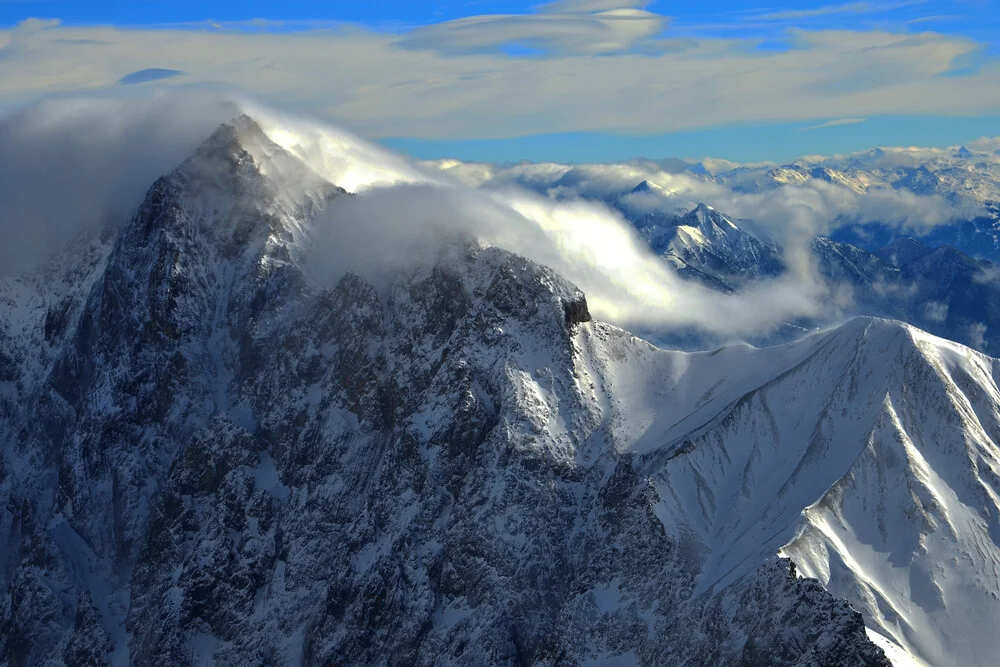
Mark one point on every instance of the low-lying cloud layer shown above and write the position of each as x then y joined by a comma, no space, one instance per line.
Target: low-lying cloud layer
813,207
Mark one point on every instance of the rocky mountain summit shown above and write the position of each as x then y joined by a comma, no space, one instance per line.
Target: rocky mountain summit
211,456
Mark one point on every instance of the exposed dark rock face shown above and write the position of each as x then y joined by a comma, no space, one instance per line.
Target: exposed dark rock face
225,461
577,312
89,644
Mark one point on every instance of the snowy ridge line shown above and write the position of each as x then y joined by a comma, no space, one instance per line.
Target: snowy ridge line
671,449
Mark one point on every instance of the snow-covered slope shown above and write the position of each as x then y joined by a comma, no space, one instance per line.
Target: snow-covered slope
910,533
216,458
868,455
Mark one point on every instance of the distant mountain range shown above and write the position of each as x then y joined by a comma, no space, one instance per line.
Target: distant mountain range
936,274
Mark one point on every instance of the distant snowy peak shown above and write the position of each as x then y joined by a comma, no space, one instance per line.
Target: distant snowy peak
704,229
788,175
845,263
796,174
959,173
647,187
965,174
712,243
921,181
858,183
710,221
701,243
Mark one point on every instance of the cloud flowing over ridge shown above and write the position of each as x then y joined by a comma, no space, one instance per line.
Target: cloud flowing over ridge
402,206
101,154
585,242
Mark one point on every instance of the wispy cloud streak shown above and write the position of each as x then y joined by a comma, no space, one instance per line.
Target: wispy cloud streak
835,123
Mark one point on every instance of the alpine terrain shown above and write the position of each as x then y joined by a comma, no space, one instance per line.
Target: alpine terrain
903,233
211,455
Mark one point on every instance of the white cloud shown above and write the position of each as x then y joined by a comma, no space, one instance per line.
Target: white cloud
69,165
364,80
936,311
936,17
607,31
835,123
987,275
977,335
589,6
985,144
834,10
585,242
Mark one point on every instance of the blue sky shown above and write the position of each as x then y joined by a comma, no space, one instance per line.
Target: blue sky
961,16
573,80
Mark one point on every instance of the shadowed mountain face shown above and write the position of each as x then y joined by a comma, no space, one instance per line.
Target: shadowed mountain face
940,290
978,238
210,456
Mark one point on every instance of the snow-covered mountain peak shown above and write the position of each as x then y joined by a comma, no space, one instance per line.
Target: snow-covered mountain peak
238,192
240,158
796,174
232,135
219,459
789,174
232,151
709,220
709,241
647,187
